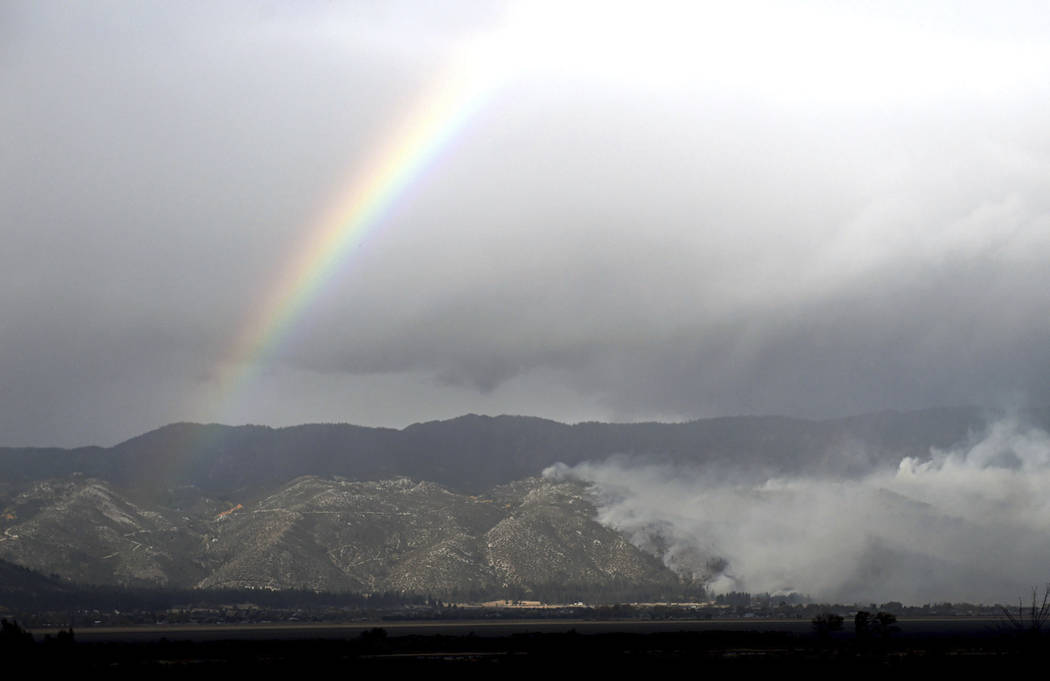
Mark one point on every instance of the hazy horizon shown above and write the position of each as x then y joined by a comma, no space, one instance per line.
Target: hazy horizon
992,413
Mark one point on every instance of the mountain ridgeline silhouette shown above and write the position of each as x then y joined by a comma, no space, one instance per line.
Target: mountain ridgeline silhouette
509,505
474,453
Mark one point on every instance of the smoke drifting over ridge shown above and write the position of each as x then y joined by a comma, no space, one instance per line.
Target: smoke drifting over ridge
967,524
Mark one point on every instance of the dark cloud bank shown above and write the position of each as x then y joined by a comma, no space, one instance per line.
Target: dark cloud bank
608,238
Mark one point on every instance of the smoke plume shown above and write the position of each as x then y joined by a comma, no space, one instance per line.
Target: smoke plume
965,524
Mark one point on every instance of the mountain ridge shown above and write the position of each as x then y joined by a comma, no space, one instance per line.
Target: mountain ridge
328,534
451,506
472,453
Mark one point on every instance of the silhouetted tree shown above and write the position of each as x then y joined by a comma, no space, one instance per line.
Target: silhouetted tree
880,625
862,624
1033,619
884,624
825,623
14,640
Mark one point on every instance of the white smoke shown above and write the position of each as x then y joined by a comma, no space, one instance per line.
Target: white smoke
968,524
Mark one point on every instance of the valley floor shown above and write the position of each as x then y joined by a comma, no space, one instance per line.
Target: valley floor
922,646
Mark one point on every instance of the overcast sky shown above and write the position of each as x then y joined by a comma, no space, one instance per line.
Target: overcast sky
658,211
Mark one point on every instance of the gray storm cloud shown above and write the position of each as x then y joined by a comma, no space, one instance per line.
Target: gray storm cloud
795,219
966,524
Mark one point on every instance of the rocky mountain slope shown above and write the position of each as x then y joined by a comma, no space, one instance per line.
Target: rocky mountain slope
328,535
84,530
343,508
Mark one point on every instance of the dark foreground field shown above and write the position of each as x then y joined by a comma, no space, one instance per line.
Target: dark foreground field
921,646
931,627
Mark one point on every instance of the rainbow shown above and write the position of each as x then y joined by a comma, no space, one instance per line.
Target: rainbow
438,119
